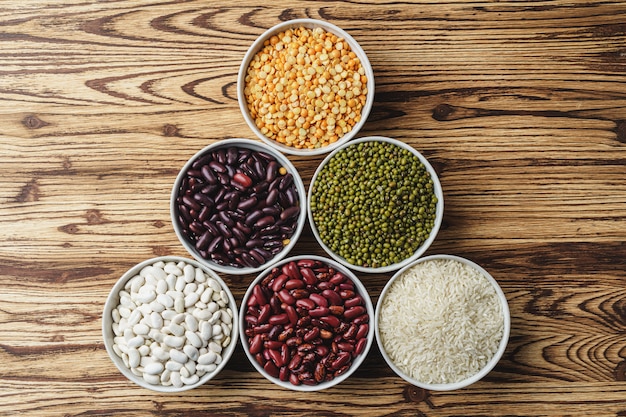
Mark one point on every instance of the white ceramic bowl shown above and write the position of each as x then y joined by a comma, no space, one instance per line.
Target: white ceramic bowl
356,362
113,300
421,249
490,364
310,24
257,147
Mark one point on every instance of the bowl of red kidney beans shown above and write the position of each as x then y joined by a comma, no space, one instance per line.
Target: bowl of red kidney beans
238,206
305,323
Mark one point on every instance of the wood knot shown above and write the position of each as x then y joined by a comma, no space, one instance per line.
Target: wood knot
620,131
443,112
415,394
33,122
94,216
620,371
29,192
170,130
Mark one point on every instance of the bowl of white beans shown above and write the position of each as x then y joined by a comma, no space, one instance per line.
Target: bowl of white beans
170,324
305,87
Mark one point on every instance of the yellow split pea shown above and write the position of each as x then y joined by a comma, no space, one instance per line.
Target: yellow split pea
305,88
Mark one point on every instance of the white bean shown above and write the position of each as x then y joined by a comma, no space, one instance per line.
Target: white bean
133,358
176,380
171,268
178,356
174,341
173,366
154,368
200,277
207,358
189,380
190,273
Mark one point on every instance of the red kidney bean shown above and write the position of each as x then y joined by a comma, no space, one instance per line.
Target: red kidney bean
318,299
354,312
310,335
233,185
332,297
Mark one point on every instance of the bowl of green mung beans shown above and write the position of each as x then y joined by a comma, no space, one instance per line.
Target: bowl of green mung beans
375,204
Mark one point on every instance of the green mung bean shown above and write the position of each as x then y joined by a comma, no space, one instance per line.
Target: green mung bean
374,204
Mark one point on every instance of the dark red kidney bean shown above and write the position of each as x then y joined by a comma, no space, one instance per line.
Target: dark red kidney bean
290,212
271,171
208,174
346,294
260,260
365,318
224,229
311,335
203,241
285,181
272,197
273,211
232,153
292,196
263,328
248,203
253,217
342,359
294,380
272,344
249,260
184,211
226,220
215,244
336,310
350,334
275,357
191,203
197,228
308,263
217,166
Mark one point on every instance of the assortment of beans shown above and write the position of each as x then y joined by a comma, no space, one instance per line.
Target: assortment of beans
171,324
237,206
305,322
305,88
373,203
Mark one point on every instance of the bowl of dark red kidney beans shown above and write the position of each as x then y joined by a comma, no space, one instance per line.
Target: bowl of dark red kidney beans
238,206
305,323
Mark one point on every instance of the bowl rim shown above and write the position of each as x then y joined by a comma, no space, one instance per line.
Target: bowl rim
249,144
309,23
112,301
438,214
356,363
490,364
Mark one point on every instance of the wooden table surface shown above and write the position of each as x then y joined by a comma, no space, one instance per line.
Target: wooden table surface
520,106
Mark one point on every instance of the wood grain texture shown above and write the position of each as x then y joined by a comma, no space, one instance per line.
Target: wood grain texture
520,106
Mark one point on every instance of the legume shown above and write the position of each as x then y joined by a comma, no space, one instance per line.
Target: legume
238,207
166,342
305,322
373,204
305,88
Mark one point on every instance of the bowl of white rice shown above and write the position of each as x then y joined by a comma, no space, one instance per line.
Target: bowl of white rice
442,323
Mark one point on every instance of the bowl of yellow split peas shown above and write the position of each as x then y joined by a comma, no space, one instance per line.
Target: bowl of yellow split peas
305,87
